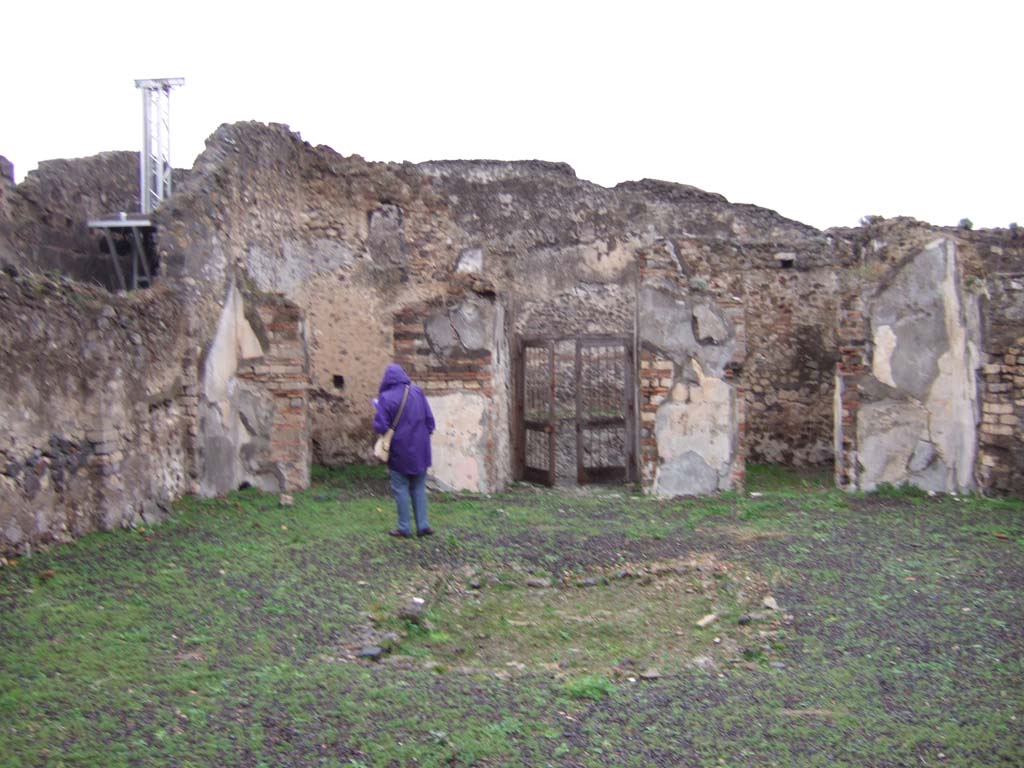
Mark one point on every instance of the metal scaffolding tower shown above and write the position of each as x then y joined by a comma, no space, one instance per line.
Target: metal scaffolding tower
155,158
133,231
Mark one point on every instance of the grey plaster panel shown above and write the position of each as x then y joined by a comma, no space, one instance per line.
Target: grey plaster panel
440,334
666,321
472,324
912,306
687,475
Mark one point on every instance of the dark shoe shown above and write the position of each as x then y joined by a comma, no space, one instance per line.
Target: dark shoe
425,532
399,534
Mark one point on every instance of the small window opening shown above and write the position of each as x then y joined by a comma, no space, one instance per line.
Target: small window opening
339,381
786,263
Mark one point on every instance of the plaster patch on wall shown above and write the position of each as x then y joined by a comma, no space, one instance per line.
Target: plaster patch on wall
471,261
952,399
927,348
234,341
888,433
601,264
881,361
296,264
459,441
666,321
696,437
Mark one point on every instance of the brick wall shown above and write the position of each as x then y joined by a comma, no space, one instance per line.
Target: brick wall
458,371
655,380
283,373
1000,467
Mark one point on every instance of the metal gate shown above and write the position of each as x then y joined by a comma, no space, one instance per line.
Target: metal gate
575,409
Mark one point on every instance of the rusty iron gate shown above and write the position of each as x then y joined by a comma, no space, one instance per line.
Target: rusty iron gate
575,406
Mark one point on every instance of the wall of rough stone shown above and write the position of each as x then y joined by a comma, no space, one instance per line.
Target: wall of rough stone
755,337
49,211
354,244
94,431
791,332
1001,449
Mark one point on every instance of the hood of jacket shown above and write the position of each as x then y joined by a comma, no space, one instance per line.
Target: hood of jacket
394,376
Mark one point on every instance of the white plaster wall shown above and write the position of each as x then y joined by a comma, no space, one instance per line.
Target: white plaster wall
223,434
459,442
696,431
929,441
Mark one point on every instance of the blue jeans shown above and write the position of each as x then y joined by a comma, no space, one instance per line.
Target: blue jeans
404,488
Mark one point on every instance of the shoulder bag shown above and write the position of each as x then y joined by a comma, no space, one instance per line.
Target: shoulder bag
382,448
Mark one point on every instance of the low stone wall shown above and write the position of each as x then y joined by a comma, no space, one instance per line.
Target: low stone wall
93,423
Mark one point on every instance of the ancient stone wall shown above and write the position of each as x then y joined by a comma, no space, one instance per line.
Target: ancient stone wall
300,274
691,331
49,211
791,331
926,395
455,349
1001,450
355,244
346,241
94,432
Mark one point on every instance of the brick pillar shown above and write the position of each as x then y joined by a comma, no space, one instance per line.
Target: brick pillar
655,380
283,373
1001,438
852,333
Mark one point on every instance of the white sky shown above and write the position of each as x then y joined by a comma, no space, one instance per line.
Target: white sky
824,111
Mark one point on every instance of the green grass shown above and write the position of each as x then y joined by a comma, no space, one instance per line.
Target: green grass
228,636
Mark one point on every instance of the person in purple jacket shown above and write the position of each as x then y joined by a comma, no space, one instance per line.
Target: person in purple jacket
410,447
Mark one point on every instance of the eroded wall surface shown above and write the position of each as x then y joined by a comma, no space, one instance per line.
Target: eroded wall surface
356,244
299,274
691,335
253,415
919,414
1001,449
94,409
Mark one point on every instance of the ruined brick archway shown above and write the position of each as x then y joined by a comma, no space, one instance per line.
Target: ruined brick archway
575,412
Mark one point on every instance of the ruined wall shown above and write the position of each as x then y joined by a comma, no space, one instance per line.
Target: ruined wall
926,395
1001,450
345,241
755,337
49,210
94,432
692,410
357,245
253,414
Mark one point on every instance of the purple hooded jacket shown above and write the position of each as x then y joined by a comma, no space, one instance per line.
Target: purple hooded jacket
410,446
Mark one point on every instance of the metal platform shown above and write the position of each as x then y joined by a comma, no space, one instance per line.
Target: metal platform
137,224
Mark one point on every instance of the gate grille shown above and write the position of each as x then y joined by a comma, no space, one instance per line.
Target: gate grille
575,409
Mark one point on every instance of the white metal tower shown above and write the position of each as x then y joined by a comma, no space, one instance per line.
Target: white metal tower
155,158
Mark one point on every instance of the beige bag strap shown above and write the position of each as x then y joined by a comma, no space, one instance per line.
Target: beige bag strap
405,396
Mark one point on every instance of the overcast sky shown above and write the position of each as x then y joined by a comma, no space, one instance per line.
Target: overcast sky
823,111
